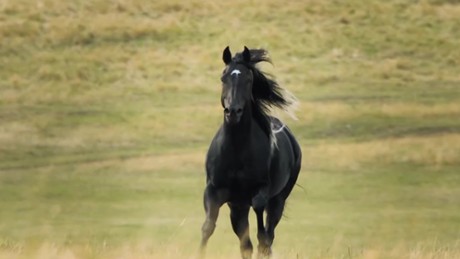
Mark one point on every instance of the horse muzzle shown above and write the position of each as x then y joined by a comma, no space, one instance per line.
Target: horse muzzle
233,114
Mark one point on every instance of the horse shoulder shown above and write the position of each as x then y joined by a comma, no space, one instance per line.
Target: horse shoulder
214,153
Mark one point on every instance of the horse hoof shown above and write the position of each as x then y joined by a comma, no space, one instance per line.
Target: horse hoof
264,252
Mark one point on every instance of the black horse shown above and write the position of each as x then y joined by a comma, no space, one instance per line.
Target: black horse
254,159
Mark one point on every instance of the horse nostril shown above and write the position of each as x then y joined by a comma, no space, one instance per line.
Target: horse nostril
233,111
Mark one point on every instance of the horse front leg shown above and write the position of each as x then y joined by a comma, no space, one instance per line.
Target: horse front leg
259,204
213,200
263,249
240,225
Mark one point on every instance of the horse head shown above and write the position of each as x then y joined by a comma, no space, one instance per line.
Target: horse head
237,79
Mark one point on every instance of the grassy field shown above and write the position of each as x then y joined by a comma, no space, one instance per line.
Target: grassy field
107,109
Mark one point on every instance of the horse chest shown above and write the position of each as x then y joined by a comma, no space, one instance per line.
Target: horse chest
241,166
243,176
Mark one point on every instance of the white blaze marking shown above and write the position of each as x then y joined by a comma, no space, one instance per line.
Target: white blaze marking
235,71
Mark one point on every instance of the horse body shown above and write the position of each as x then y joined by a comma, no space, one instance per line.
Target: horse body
234,163
248,164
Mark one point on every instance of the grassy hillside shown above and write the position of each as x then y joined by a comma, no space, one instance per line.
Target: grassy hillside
107,109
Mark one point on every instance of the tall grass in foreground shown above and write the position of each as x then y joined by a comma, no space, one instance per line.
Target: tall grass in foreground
144,251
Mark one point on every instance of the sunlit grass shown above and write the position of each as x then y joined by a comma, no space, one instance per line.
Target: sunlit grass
107,109
147,250
412,150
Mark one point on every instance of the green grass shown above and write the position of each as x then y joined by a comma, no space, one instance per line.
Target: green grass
107,109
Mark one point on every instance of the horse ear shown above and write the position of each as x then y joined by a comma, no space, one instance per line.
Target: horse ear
227,55
246,55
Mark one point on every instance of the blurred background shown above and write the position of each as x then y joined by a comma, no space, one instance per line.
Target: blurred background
107,109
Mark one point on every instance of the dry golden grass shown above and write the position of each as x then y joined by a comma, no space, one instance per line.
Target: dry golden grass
107,108
431,151
144,250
